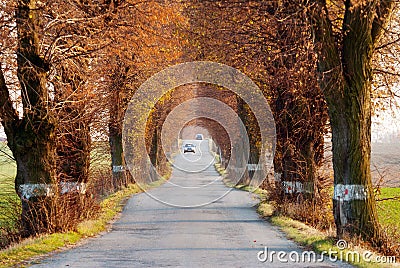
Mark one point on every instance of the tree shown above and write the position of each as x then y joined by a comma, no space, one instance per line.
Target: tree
49,132
298,103
118,99
345,76
30,137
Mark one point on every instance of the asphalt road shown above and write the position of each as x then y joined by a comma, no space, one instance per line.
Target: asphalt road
197,228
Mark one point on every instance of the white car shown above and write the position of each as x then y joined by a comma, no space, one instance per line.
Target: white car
199,136
189,147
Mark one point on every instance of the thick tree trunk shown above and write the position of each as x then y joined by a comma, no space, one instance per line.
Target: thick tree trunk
345,77
300,142
34,151
32,139
295,163
117,159
354,201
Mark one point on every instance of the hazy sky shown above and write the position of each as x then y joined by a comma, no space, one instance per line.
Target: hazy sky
386,125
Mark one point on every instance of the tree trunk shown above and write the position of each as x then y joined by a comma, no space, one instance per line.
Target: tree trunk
117,159
300,141
239,145
117,106
115,140
74,153
34,151
354,201
154,148
299,108
120,175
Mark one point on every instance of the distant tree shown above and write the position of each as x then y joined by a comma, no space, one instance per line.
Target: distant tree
270,42
136,51
385,92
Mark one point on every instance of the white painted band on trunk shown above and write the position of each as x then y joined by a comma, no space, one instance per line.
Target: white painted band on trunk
35,189
29,190
118,169
292,187
252,167
277,176
348,192
67,187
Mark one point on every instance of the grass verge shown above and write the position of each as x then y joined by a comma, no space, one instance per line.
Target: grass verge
31,248
321,242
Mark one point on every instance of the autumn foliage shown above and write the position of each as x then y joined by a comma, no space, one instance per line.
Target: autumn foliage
69,69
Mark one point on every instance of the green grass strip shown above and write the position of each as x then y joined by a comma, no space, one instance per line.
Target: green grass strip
319,242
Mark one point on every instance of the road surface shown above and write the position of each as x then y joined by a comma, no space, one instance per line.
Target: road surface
199,230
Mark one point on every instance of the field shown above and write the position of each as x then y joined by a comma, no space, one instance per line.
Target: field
9,201
385,167
385,164
7,167
389,208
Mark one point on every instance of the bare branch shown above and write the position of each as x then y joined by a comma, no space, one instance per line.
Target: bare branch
384,9
8,114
